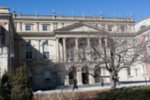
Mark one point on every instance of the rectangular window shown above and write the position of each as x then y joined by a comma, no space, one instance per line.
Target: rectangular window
70,54
110,28
44,28
28,51
122,28
129,71
29,55
28,28
82,53
46,55
55,26
94,55
47,75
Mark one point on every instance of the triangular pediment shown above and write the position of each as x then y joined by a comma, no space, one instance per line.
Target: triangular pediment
83,29
78,27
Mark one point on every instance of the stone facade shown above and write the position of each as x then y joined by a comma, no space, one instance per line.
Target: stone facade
143,35
43,43
6,40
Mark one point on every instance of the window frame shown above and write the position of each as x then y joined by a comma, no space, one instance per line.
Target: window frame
47,75
28,27
46,53
45,28
122,28
29,53
110,28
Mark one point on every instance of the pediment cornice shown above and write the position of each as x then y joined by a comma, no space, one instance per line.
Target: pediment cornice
76,27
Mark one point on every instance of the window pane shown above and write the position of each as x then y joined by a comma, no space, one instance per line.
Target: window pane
44,28
46,55
46,50
28,28
47,75
122,29
109,28
28,51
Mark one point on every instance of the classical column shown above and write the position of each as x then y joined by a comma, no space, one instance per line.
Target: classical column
79,75
67,79
91,78
57,50
64,49
88,49
76,50
100,42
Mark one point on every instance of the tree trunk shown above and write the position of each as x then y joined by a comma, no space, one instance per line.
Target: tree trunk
112,81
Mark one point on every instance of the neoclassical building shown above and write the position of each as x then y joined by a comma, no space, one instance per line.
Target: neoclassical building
143,35
7,32
52,46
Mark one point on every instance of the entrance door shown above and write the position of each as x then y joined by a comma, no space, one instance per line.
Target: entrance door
97,75
85,78
72,76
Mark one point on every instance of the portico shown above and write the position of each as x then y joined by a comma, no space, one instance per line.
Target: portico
76,50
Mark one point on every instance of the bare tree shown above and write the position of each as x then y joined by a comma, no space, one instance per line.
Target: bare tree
112,52
115,53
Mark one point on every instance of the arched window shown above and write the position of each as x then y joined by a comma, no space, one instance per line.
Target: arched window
46,50
28,51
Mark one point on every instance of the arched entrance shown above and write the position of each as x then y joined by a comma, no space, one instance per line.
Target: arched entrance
97,74
85,75
72,75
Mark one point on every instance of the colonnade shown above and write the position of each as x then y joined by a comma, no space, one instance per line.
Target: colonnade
79,74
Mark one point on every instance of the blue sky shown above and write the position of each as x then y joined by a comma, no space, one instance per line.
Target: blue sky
121,8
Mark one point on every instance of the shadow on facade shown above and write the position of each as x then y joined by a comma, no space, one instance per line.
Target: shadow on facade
45,73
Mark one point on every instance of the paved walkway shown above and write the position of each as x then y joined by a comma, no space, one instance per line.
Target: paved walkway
87,89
